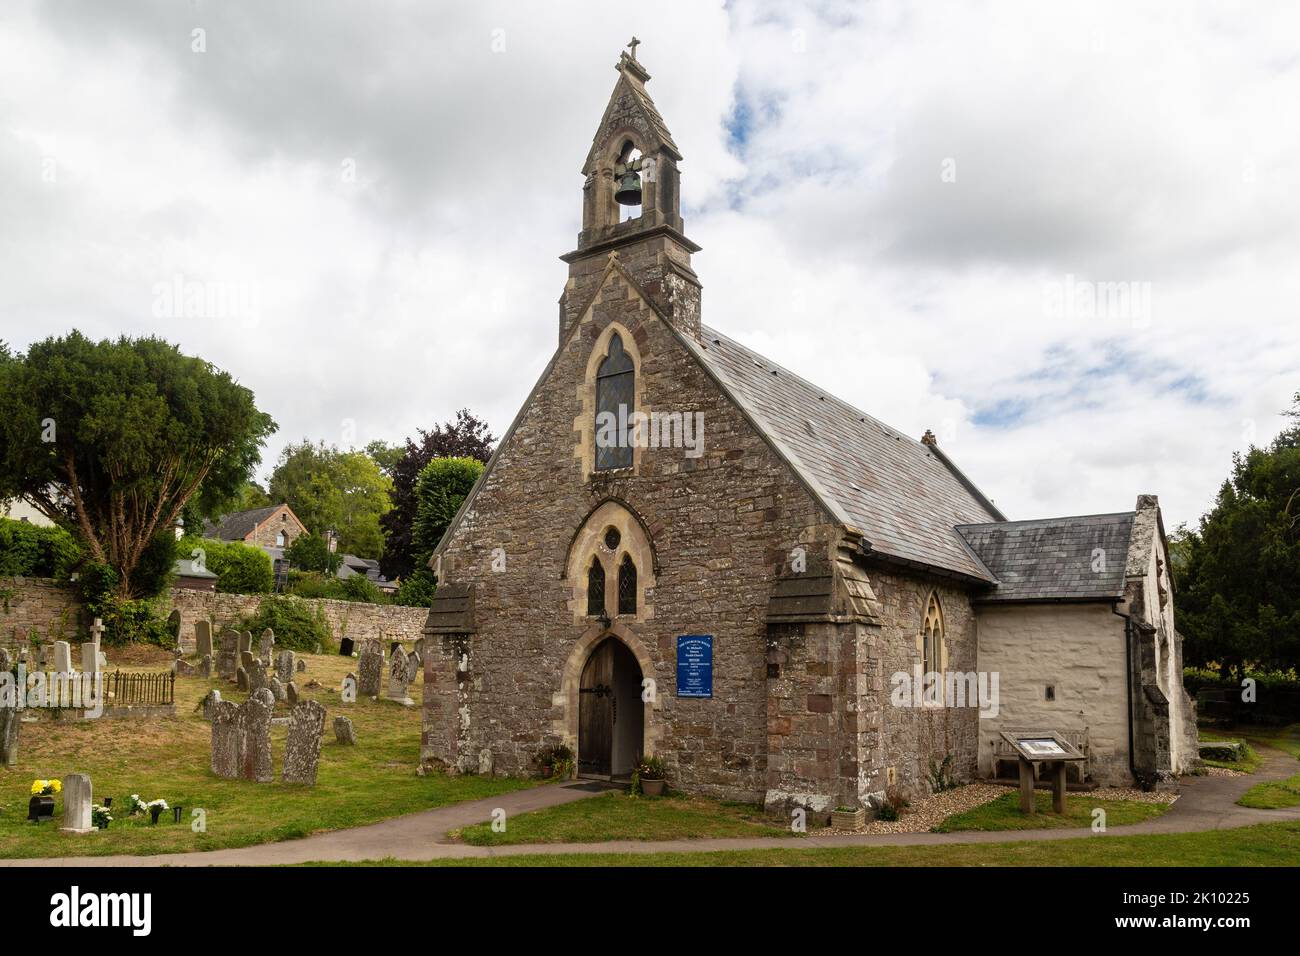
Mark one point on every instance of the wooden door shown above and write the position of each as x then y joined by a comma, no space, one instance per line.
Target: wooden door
596,711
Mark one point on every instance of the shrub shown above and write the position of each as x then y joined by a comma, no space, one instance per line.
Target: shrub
240,569
313,584
310,552
296,624
417,589
125,622
29,551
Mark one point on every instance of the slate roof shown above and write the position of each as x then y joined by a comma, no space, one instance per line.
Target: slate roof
904,496
1053,558
237,525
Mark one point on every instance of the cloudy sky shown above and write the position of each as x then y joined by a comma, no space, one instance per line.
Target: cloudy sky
1062,236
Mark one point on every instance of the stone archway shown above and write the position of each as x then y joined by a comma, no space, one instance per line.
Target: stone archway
568,725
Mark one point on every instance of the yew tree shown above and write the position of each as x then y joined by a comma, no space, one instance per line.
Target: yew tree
110,439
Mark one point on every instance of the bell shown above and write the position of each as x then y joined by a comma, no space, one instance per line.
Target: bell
629,189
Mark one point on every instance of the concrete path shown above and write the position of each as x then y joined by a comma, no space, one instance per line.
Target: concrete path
1207,803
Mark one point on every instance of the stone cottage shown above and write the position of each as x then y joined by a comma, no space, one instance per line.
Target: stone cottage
681,548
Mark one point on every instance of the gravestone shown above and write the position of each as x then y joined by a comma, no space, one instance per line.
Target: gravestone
183,668
277,689
302,752
345,647
90,658
241,679
202,638
291,694
265,646
42,658
254,722
350,681
301,666
77,799
228,655
400,674
210,703
284,662
344,732
205,667
62,657
174,625
485,762
245,641
371,670
10,722
257,679
224,715
245,659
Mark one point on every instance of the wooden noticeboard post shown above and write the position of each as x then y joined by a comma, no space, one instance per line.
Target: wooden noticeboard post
1048,748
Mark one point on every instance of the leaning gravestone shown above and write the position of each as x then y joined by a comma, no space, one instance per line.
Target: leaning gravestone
77,799
284,666
400,674
224,715
371,669
202,638
302,752
344,732
254,722
228,655
10,722
265,646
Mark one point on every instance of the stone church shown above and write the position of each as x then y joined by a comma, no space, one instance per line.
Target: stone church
683,549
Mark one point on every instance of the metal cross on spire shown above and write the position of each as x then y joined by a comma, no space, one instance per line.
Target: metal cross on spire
633,45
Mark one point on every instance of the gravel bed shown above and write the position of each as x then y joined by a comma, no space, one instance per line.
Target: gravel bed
922,815
1223,772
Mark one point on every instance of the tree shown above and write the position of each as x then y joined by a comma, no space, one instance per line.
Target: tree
442,488
311,552
385,456
1238,586
466,437
329,489
110,439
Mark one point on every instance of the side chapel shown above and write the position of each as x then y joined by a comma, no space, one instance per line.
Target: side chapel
822,553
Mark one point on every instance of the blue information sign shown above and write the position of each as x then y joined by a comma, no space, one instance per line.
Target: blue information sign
695,665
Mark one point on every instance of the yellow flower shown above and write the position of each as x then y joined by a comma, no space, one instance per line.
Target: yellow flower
40,786
57,785
37,787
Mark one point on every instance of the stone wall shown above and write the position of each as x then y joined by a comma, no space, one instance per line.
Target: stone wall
54,611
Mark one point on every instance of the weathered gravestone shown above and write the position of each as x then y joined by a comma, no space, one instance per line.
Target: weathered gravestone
302,752
257,679
205,667
277,689
77,799
349,695
224,715
265,646
210,702
301,666
10,722
42,658
291,694
90,658
62,657
183,668
284,666
371,669
241,679
254,723
245,642
400,674
344,731
228,655
202,638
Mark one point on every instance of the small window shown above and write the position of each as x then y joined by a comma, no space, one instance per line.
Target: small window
1050,692
279,540
627,586
595,589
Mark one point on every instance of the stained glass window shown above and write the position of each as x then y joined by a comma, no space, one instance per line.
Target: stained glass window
615,402
595,589
627,586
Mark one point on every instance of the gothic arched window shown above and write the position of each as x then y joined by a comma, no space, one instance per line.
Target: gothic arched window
627,586
595,589
615,402
932,636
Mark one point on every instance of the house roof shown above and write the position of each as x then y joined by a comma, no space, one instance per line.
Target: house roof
1077,558
904,496
187,568
238,524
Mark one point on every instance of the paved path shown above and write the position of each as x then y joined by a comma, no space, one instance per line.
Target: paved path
1207,803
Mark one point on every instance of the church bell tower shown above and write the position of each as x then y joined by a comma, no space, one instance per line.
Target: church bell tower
633,157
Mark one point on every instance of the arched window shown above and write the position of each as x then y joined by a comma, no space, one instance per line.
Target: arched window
932,636
615,401
627,586
595,589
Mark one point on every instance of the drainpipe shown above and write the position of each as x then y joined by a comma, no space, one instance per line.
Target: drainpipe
1128,683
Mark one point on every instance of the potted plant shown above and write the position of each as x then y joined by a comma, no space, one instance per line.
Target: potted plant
650,776
41,806
555,761
849,818
155,808
100,817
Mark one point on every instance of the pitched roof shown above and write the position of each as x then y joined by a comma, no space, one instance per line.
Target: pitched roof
1077,558
238,524
904,496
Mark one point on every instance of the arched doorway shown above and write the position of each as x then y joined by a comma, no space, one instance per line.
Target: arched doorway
610,711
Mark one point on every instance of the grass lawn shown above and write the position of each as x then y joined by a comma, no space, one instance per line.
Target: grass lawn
1250,758
1274,795
169,757
1268,844
618,816
1004,813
